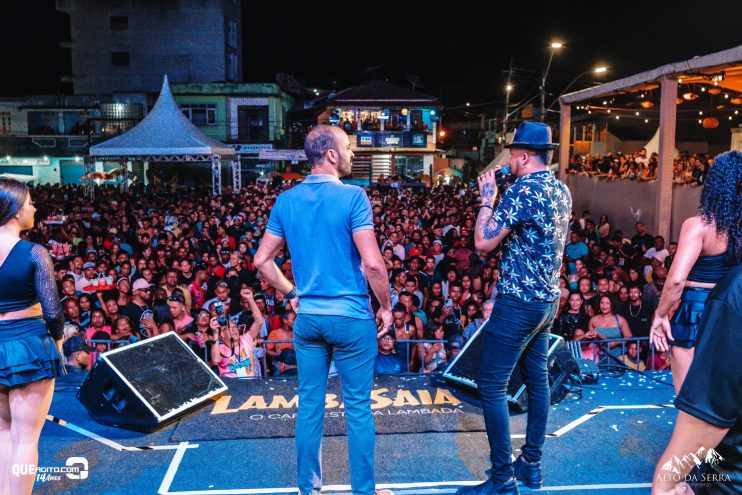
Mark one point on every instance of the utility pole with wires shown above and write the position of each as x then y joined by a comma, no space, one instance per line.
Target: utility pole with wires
508,88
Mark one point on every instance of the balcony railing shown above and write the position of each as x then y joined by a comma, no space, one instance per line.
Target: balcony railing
391,139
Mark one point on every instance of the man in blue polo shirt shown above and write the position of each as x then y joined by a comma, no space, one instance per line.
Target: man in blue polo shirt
329,231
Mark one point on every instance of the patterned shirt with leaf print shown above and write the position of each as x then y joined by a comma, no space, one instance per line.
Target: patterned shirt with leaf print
536,208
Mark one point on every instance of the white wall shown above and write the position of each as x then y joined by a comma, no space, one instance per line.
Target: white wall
617,198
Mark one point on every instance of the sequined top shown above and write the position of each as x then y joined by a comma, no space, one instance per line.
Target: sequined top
27,276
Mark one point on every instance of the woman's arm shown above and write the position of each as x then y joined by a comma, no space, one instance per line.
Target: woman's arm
625,328
257,323
429,354
591,324
623,325
216,357
690,245
46,290
99,295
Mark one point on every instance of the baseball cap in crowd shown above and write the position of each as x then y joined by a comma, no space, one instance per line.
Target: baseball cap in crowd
225,251
438,241
88,264
121,279
140,284
76,344
177,297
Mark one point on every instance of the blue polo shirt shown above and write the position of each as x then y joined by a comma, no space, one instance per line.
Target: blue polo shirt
318,218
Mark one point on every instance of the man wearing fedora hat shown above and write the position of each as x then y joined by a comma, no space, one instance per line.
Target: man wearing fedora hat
529,225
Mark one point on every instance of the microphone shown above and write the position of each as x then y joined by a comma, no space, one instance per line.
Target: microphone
502,175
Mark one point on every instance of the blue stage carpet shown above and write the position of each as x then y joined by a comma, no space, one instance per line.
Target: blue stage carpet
605,443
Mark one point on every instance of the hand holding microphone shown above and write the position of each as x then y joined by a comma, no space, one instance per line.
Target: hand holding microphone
487,188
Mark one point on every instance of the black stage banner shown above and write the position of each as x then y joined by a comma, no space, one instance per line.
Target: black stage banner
266,408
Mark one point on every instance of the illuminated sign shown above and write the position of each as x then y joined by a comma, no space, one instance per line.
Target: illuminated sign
419,139
365,140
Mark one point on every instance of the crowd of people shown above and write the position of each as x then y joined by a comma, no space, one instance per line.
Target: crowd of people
132,265
688,168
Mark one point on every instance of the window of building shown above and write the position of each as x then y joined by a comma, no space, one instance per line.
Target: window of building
4,123
411,166
200,113
120,59
232,34
232,67
119,22
252,123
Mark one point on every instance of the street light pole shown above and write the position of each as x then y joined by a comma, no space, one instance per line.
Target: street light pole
596,70
542,116
508,89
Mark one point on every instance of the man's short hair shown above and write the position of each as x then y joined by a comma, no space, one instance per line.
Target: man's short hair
544,156
455,284
318,142
630,286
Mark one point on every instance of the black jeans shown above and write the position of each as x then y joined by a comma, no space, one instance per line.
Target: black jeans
516,328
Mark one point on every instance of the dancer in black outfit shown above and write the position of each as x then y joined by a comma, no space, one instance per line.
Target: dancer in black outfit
31,330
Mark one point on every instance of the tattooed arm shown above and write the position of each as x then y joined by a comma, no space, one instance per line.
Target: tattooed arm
487,232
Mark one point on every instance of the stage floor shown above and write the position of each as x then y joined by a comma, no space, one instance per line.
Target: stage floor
607,442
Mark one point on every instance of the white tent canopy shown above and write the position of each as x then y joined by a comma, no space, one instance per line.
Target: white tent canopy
20,177
164,131
166,135
502,158
653,146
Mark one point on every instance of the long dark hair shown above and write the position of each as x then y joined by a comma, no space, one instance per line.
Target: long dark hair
12,196
161,315
721,199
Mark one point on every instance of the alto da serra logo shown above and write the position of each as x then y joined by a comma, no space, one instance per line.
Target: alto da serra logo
691,460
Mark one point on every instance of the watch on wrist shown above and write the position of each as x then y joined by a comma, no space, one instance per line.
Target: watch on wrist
290,294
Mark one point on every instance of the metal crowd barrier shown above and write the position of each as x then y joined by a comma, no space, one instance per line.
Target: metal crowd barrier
602,344
624,342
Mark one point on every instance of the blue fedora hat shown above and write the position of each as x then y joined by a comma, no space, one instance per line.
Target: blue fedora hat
532,135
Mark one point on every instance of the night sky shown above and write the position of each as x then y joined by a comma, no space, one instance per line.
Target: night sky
458,49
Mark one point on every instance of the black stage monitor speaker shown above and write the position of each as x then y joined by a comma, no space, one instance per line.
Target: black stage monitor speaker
146,385
563,371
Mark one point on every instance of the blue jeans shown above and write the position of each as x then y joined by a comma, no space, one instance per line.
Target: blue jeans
352,342
515,328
